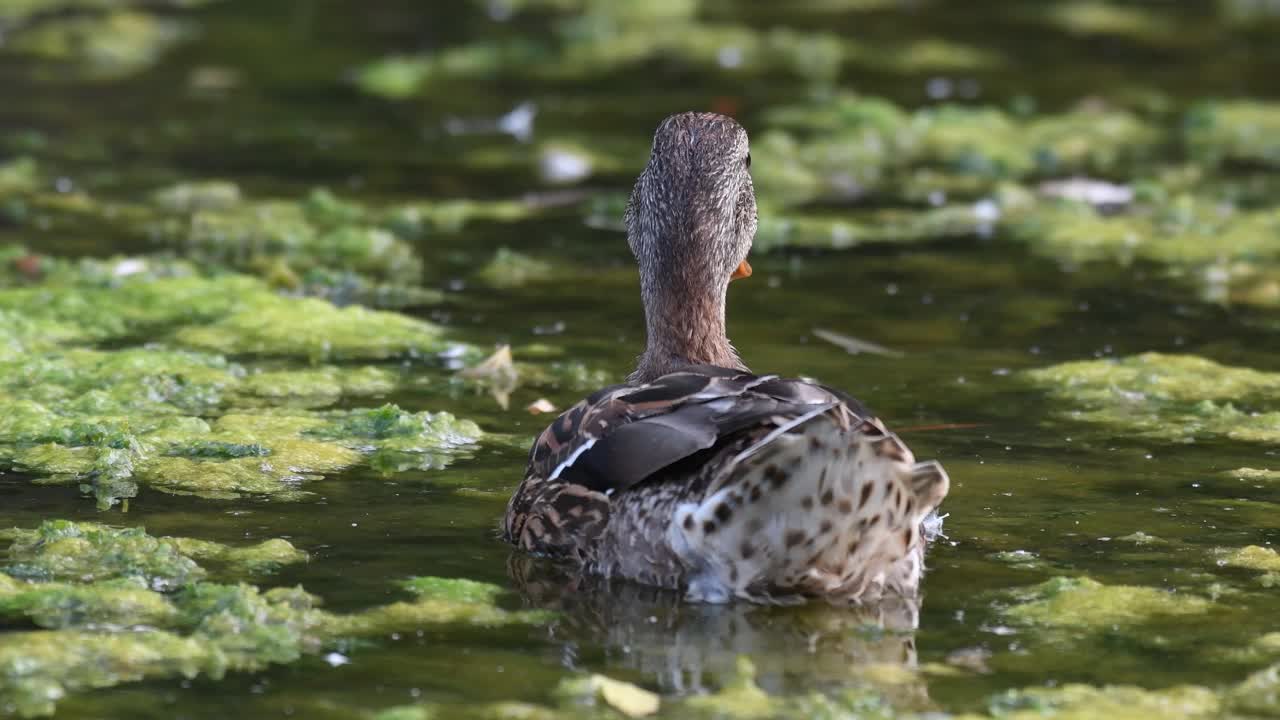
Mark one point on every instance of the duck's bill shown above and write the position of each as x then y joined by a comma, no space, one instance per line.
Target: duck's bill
744,270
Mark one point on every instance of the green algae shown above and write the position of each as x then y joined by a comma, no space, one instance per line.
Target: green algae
1171,397
395,77
145,428
438,600
1234,132
63,551
422,218
1092,140
1142,539
309,445
1253,557
292,459
316,387
456,590
1258,474
840,145
265,557
408,712
250,627
1082,603
844,146
1080,702
510,269
15,11
399,77
220,450
1091,17
314,330
18,175
211,223
1262,649
741,697
1268,644
601,691
343,287
229,314
1258,695
1182,230
108,46
919,56
94,382
488,711
396,429
114,419
121,606
601,37
190,197
838,113
604,11
89,552
874,227
989,143
127,307
37,669
1158,378
110,603
214,629
1210,231
319,245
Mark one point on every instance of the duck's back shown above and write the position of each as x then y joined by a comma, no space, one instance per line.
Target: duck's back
723,484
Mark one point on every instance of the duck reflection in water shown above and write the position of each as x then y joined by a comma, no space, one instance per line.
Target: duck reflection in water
685,648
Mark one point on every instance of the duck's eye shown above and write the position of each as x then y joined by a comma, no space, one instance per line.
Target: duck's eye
748,161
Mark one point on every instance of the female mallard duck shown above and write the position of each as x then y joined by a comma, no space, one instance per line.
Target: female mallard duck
696,474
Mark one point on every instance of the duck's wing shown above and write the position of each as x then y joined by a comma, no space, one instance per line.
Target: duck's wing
626,433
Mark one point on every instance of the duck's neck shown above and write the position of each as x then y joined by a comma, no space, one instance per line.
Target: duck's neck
684,322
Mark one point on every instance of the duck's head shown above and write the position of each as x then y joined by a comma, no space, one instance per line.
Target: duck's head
690,222
692,213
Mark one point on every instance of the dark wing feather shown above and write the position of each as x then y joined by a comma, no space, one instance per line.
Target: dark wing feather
625,434
609,409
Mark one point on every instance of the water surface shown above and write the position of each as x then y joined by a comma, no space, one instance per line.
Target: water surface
968,314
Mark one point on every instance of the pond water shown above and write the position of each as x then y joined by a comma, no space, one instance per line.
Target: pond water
1148,499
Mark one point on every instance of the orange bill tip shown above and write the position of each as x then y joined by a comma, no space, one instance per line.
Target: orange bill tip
743,271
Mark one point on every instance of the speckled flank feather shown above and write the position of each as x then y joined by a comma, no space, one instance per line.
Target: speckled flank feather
820,510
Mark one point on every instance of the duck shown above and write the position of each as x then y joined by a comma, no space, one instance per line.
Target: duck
697,475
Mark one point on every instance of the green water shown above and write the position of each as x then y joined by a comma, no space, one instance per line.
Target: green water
968,314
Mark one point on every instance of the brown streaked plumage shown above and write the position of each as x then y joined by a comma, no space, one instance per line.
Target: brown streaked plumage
696,474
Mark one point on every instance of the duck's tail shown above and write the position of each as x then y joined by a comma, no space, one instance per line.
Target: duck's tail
817,507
